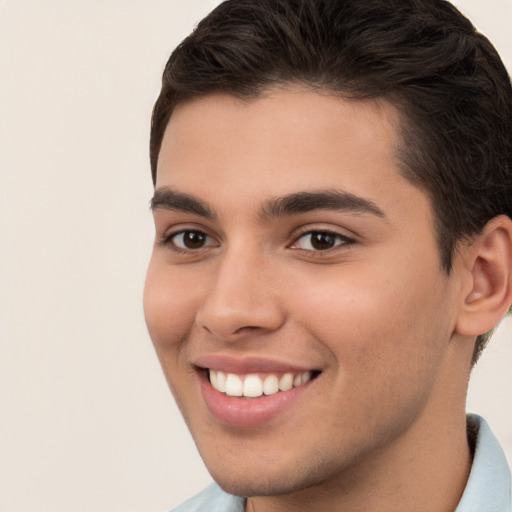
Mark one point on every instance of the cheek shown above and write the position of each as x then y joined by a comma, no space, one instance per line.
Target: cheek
168,308
386,346
170,316
371,321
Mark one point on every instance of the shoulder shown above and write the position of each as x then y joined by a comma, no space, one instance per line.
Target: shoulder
212,499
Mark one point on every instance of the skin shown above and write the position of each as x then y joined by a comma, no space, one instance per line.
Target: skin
383,425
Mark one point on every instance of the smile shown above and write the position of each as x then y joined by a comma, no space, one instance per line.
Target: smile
256,385
251,392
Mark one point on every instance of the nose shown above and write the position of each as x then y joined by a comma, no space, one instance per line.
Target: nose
242,298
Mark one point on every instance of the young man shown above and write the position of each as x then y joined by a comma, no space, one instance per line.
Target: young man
333,203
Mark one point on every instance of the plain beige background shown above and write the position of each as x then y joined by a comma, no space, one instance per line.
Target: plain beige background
86,420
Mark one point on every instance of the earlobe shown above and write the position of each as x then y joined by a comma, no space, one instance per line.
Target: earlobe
488,263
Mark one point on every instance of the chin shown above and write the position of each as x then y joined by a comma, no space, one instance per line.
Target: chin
275,482
248,487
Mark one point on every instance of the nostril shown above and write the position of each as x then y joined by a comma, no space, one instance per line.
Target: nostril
247,328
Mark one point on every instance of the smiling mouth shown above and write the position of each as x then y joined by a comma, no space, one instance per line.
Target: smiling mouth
251,392
255,385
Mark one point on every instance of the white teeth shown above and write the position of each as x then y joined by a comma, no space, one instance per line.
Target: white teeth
286,382
252,386
220,381
213,379
234,385
270,385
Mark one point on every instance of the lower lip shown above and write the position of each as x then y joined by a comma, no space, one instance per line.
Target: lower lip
248,412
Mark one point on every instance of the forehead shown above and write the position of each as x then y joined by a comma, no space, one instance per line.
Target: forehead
280,112
225,150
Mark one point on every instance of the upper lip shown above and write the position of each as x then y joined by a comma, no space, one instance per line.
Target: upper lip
247,365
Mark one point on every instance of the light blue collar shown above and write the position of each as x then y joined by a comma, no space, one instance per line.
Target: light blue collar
488,487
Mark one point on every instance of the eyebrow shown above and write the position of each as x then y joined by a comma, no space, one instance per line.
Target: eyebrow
293,204
167,199
336,200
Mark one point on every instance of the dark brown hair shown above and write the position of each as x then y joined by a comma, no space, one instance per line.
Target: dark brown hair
423,57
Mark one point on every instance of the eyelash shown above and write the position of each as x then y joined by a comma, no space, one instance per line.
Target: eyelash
339,239
169,240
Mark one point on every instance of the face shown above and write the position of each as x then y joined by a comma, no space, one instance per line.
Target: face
295,295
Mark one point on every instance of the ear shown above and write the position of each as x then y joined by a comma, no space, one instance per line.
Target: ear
488,267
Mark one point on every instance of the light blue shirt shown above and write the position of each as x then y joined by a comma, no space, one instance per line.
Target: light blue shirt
487,489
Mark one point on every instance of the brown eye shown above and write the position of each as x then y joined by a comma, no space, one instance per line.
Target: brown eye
320,241
191,240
